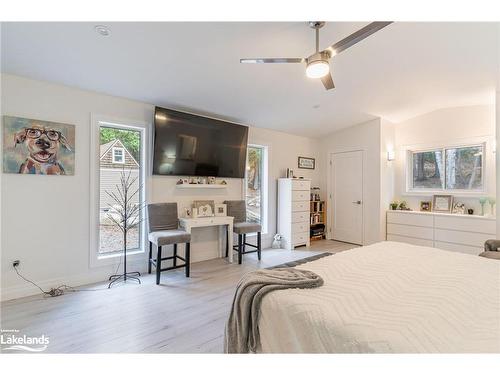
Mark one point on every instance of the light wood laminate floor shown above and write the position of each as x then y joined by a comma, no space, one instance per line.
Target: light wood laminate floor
182,315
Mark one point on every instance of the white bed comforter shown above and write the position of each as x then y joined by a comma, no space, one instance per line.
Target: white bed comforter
388,297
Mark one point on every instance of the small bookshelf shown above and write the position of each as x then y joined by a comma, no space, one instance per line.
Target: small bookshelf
317,220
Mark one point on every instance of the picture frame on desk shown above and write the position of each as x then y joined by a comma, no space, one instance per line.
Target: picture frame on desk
220,209
203,208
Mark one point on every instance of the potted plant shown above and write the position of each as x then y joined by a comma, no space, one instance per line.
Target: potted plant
394,205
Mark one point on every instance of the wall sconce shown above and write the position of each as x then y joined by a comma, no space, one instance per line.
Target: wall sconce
391,155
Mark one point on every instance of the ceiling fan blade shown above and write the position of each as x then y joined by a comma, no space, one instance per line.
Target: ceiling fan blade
357,37
328,82
278,60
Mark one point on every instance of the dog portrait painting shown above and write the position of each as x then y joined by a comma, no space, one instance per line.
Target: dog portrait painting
38,147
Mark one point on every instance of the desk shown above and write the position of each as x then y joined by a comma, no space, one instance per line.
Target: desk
221,221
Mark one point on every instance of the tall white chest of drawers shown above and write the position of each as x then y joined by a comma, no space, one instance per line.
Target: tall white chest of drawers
294,212
462,233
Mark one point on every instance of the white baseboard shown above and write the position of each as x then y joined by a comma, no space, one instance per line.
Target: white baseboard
94,275
25,289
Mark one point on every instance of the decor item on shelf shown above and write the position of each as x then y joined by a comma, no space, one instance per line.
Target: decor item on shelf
315,194
425,206
442,203
470,211
211,180
482,202
220,209
201,180
306,163
187,212
204,208
38,147
193,180
492,202
194,212
289,173
403,206
458,208
126,215
180,182
394,205
223,182
276,241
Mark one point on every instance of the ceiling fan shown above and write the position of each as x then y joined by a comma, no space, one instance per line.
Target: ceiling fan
317,65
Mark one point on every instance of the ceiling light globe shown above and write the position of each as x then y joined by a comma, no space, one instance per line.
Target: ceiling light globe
317,69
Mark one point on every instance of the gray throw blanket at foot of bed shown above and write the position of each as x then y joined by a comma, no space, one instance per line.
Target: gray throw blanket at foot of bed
242,331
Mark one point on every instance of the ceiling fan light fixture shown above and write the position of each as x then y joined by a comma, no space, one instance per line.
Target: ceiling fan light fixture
317,69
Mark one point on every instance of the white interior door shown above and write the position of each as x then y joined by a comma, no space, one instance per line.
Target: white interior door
347,196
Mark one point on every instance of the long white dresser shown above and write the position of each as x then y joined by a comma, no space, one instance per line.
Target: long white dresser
462,233
294,212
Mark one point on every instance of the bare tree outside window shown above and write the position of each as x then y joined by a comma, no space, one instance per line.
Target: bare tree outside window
464,168
427,170
457,168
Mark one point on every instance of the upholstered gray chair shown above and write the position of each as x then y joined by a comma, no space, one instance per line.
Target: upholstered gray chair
164,230
242,227
491,249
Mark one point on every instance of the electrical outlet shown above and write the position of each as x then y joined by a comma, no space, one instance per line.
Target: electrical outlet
16,263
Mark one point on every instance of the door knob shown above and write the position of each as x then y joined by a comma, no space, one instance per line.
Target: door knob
357,202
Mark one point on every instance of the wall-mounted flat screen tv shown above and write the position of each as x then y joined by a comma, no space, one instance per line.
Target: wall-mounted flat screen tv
191,145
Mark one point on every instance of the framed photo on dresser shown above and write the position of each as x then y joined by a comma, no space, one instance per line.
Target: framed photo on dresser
442,203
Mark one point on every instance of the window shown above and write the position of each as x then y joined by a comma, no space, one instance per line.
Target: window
256,185
112,167
453,168
118,155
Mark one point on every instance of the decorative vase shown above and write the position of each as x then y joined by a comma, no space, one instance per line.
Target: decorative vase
482,201
492,202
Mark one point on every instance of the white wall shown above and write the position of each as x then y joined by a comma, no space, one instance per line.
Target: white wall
459,125
387,170
45,219
497,119
366,137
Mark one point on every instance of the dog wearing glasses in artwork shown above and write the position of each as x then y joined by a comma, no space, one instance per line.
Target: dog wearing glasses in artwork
43,146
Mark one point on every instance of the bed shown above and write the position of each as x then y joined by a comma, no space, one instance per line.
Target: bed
389,297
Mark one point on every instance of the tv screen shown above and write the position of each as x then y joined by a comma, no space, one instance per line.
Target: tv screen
191,145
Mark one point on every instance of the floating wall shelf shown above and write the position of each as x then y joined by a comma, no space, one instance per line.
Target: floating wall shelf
201,186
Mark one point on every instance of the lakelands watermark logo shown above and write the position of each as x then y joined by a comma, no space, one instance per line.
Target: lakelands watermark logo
13,340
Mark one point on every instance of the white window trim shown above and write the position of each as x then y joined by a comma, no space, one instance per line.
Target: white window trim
95,259
113,155
264,187
408,169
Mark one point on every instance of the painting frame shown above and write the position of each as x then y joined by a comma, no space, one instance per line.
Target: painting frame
442,203
204,208
304,162
40,147
426,206
220,209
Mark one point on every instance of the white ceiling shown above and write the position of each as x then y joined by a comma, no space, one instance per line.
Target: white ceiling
404,70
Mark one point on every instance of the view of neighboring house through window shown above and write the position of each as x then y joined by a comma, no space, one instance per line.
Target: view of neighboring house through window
118,155
454,168
120,152
255,176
